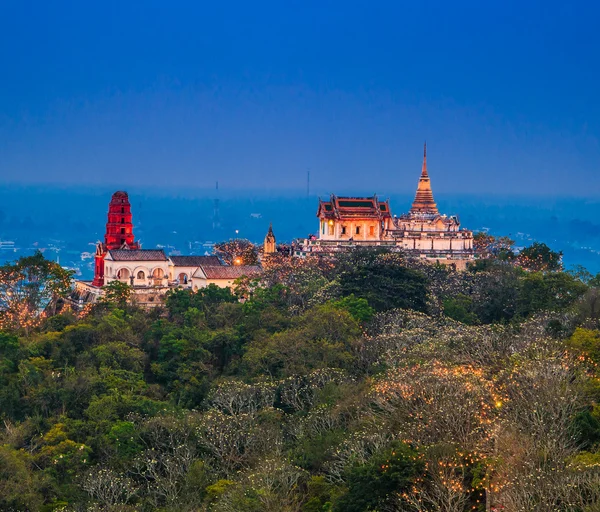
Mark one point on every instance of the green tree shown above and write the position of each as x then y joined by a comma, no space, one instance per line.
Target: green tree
581,273
586,342
383,280
20,486
323,337
391,471
125,439
206,300
553,291
595,281
117,293
10,357
358,308
460,308
495,293
321,494
539,257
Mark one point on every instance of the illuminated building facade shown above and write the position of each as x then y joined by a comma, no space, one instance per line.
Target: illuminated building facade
137,267
423,232
270,244
353,218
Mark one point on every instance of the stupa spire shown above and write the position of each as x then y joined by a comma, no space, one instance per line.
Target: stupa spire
424,202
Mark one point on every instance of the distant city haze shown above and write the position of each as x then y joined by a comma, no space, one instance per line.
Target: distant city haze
66,222
173,97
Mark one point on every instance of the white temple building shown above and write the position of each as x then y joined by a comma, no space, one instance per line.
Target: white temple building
423,232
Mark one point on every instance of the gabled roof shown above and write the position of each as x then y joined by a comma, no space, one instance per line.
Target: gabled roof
227,271
195,261
136,255
346,208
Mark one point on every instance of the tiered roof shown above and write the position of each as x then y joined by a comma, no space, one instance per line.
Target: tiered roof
347,208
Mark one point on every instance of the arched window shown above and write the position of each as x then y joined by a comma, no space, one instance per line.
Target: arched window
123,274
182,278
141,275
158,273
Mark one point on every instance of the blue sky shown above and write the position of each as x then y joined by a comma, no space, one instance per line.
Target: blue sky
177,95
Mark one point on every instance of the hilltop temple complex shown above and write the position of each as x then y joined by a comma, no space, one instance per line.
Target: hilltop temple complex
423,232
344,223
150,272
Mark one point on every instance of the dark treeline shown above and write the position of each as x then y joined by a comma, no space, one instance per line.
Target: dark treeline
366,383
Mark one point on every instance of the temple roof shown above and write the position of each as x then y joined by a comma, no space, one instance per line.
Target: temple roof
195,261
136,255
347,208
424,202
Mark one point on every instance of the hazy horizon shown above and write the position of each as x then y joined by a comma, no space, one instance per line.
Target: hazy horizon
70,220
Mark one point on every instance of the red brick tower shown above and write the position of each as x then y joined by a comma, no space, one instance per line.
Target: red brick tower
119,229
119,233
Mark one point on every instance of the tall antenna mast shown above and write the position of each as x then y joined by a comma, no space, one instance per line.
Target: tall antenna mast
216,217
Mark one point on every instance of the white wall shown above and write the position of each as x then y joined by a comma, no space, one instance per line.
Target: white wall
111,269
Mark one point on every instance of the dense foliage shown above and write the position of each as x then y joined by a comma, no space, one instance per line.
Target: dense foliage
365,383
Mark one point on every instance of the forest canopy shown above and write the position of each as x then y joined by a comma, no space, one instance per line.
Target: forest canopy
368,382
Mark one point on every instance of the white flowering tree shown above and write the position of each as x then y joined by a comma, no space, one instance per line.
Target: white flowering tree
30,289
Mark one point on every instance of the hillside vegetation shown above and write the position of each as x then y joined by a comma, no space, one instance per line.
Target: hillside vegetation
368,383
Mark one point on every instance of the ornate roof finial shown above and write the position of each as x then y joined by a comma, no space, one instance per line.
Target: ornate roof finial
424,168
